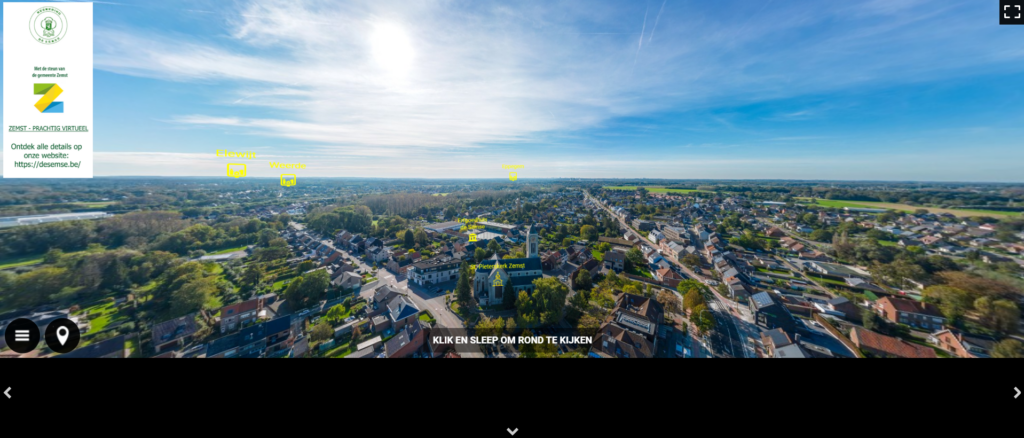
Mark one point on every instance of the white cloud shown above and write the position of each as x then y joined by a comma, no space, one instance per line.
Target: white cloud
487,77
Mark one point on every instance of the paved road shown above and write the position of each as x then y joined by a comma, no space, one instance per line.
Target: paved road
737,341
423,299
806,277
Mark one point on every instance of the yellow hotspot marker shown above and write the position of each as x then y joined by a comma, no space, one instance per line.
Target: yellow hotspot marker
49,97
512,176
288,182
236,172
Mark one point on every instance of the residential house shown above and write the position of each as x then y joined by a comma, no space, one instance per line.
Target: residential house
910,312
111,348
615,260
174,333
400,312
239,314
377,304
614,341
348,281
769,314
436,270
963,345
407,341
879,345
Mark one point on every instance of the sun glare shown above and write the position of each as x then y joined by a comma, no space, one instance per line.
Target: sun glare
392,49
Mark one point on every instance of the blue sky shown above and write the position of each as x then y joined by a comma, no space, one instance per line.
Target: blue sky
874,89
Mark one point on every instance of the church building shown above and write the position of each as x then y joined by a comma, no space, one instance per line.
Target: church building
496,277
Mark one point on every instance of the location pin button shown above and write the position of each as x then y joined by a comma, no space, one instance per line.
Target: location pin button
62,335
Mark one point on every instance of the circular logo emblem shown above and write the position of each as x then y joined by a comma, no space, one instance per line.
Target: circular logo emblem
48,25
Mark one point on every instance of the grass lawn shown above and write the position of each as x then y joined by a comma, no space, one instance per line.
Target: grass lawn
440,194
599,256
833,203
639,272
353,310
14,262
887,243
95,204
282,283
425,317
774,271
225,251
827,280
654,189
108,313
133,347
342,351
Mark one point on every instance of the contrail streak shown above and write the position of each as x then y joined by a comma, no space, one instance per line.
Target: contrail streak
656,20
640,43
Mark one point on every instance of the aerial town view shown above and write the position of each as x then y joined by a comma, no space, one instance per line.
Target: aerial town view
661,179
366,268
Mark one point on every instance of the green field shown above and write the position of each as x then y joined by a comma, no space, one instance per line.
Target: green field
440,194
225,251
655,189
14,262
95,204
834,203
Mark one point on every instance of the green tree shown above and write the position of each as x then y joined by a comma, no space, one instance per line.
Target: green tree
321,332
115,276
691,260
1004,316
463,293
702,318
566,242
870,319
479,254
493,246
635,259
692,299
303,267
254,274
420,237
1008,348
589,232
684,286
410,239
631,288
191,297
588,326
336,314
545,305
53,256
952,302
583,280
35,287
669,301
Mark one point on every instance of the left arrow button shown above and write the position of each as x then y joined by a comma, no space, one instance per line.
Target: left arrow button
8,392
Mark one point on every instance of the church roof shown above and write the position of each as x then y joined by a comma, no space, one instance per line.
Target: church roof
524,280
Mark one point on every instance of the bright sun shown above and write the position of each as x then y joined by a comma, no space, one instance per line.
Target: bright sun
391,48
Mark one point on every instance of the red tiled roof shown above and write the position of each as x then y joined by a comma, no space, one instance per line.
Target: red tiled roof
911,306
890,345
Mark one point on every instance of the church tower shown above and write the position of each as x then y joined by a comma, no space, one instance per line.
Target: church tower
532,241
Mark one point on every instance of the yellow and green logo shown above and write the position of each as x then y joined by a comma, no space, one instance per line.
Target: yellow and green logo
50,92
